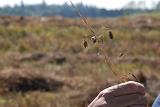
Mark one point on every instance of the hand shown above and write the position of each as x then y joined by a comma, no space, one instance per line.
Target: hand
129,94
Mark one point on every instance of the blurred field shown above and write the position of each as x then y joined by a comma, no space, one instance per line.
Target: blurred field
43,62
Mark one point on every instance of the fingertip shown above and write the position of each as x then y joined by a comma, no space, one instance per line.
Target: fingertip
136,86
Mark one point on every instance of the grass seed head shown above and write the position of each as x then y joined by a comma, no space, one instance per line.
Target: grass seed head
121,54
94,39
85,44
111,35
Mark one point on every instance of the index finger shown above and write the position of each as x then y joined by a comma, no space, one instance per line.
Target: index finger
130,87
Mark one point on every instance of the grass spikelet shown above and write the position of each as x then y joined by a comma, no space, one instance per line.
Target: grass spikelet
111,35
85,44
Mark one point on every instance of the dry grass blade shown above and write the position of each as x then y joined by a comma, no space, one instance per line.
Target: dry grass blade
110,65
134,77
107,59
84,19
94,38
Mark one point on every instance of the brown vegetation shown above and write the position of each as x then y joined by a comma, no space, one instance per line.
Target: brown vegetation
43,61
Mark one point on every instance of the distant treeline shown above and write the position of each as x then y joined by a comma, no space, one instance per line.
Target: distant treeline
67,10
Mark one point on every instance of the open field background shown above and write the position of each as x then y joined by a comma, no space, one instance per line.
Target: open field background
43,62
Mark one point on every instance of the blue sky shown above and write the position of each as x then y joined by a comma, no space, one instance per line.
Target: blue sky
109,4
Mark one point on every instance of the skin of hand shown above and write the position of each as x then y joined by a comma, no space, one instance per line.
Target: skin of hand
129,94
